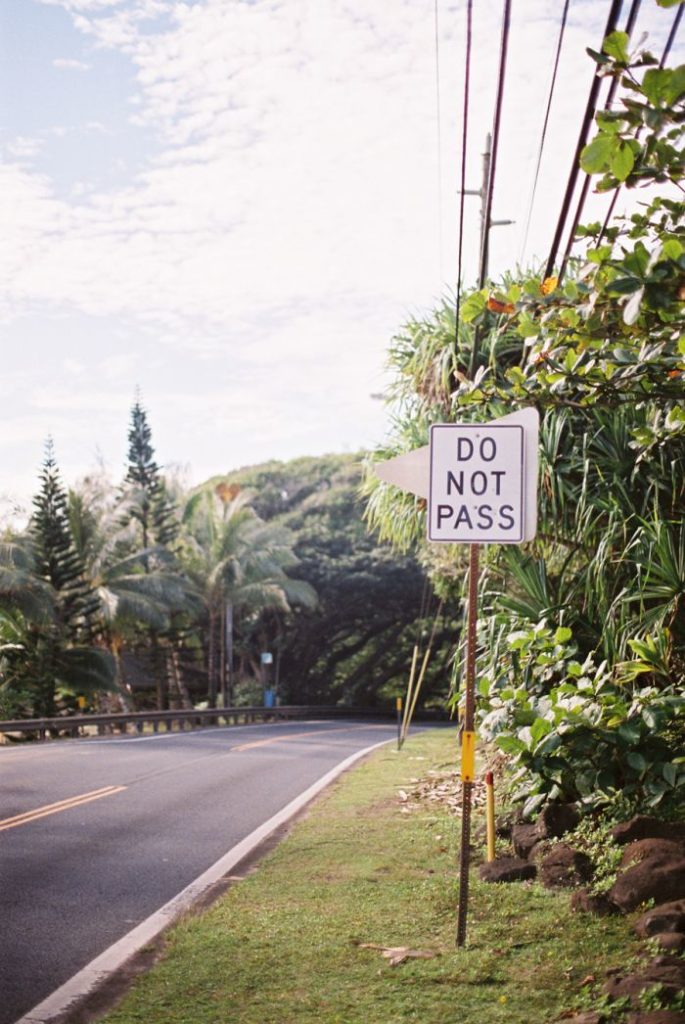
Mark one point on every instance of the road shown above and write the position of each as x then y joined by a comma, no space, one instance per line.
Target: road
97,834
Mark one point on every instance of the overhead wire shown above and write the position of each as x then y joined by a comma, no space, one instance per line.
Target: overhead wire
499,98
630,25
664,57
490,188
464,143
543,137
438,113
590,107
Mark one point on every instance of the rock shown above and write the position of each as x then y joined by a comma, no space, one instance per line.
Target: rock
656,1017
503,825
670,942
524,837
668,917
667,971
563,867
650,879
507,869
540,850
644,827
640,849
555,820
586,902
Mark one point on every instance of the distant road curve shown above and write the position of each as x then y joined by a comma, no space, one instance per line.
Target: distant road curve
97,835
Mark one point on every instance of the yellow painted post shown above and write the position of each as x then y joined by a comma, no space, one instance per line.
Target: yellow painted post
468,756
490,814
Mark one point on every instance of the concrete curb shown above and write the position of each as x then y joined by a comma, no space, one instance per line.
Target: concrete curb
94,974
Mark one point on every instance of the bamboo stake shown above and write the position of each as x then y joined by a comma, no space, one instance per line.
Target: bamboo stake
410,684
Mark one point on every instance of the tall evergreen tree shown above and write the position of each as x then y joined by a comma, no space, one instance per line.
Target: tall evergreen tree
54,647
150,504
56,558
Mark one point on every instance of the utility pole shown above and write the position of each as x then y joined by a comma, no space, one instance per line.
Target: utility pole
482,193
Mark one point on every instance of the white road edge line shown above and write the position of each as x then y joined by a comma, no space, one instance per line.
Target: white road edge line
98,970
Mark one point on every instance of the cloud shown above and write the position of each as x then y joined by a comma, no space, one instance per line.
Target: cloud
23,147
290,219
70,64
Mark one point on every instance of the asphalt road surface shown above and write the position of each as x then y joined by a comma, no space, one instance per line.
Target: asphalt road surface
97,834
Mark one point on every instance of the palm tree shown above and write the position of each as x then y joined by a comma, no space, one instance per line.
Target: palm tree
137,588
238,564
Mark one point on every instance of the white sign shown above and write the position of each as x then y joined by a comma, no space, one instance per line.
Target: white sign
476,483
412,472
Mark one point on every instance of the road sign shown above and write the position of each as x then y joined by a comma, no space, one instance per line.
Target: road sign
476,483
412,472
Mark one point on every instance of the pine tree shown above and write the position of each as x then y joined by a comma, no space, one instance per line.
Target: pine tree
57,651
56,558
151,506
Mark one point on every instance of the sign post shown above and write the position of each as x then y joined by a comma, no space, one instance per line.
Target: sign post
480,480
266,661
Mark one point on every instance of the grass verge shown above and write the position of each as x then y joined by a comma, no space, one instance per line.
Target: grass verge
284,946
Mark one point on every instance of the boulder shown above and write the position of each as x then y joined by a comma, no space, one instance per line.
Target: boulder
563,867
656,1017
644,827
640,849
507,869
540,850
667,971
503,825
555,820
651,879
585,902
668,917
523,838
670,942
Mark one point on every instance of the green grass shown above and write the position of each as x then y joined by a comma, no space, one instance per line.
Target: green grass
283,946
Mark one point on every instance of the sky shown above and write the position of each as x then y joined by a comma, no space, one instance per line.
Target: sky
233,205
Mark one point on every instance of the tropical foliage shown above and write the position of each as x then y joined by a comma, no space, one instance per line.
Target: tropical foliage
50,610
356,645
582,633
163,596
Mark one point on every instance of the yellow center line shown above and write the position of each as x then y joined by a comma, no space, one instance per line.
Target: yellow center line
311,733
61,805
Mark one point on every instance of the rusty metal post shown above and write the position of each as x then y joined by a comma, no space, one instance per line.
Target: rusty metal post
469,716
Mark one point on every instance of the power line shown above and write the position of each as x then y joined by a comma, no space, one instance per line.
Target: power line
543,137
439,133
630,25
612,18
504,44
464,141
489,191
664,57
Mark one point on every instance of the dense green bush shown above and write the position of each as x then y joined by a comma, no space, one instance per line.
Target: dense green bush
582,632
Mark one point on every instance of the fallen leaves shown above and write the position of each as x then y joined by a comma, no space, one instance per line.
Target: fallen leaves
398,954
439,787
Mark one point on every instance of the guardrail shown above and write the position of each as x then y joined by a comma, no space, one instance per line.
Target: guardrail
180,719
